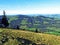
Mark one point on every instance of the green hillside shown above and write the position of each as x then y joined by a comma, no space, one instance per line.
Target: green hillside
20,37
31,23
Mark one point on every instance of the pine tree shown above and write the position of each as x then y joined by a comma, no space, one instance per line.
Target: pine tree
4,20
17,27
36,31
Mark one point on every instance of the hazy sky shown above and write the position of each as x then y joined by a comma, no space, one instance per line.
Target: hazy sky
30,6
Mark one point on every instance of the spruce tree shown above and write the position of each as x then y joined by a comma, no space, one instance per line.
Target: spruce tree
36,31
4,20
17,27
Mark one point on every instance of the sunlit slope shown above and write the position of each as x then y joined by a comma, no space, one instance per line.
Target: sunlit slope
38,38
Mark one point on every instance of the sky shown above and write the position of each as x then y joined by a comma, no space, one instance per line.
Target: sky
30,6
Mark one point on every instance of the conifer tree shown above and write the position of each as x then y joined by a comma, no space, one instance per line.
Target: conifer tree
4,20
17,27
36,31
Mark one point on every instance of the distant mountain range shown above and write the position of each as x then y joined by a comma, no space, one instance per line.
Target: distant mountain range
33,22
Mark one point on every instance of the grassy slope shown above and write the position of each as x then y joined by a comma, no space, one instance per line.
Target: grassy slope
38,38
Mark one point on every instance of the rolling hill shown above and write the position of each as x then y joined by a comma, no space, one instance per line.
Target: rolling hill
43,23
20,37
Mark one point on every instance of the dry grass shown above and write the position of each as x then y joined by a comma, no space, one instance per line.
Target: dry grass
38,38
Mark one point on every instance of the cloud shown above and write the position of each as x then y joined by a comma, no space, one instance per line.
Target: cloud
33,11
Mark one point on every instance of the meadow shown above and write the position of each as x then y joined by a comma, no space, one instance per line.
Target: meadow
20,37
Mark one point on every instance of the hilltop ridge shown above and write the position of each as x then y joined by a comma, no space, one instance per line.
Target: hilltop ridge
17,36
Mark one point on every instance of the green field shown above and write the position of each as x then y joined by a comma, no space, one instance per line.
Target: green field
20,37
